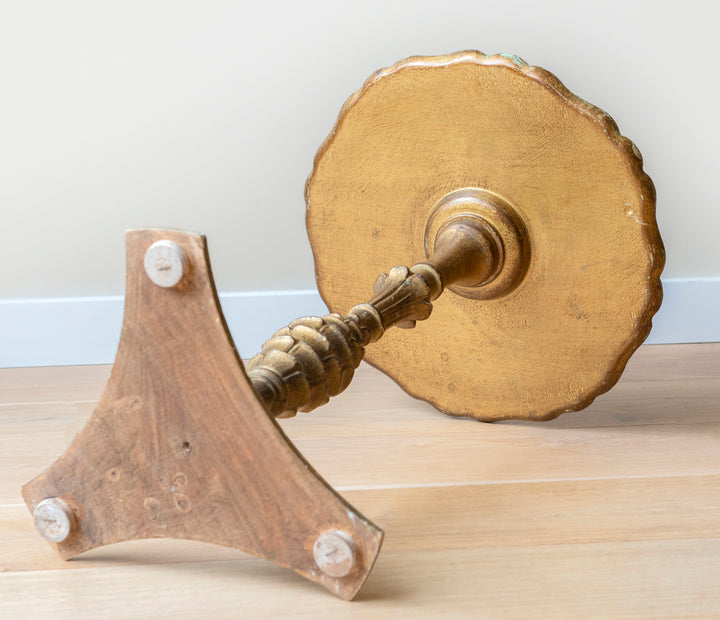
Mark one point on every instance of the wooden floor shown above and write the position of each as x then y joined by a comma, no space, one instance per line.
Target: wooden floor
610,512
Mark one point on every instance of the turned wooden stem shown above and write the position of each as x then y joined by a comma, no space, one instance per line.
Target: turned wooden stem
314,358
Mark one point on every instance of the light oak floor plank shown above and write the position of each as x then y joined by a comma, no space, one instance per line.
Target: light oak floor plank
658,579
452,517
404,455
85,383
612,512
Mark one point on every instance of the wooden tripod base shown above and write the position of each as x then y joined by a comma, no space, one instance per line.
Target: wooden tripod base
180,447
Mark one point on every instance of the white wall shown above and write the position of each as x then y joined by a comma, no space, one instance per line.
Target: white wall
206,115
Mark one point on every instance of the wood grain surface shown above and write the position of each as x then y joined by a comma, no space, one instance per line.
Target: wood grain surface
180,447
609,513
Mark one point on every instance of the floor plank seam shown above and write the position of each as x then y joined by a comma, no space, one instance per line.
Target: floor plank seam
417,485
109,564
35,403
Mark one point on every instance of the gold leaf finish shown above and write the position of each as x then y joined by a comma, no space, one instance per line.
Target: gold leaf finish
430,126
306,363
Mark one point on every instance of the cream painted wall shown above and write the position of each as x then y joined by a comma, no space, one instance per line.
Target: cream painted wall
206,115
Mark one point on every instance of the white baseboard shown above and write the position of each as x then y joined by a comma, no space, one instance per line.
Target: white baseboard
85,330
690,312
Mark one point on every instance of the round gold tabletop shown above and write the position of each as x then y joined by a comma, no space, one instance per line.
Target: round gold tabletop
430,126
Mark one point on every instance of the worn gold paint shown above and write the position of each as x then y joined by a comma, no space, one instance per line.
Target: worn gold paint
429,126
